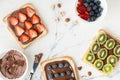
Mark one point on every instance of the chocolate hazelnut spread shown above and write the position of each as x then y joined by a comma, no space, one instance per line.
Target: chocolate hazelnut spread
60,70
13,64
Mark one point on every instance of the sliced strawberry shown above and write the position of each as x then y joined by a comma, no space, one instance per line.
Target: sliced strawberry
35,19
22,17
13,21
24,38
40,28
30,12
32,33
19,30
27,25
84,16
81,9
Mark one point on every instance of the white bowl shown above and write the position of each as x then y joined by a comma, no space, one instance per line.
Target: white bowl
2,53
99,19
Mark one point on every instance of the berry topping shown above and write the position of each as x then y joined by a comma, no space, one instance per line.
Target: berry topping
13,21
19,30
22,17
35,19
61,65
27,25
24,38
30,12
50,76
55,66
49,68
32,33
66,65
40,27
63,74
69,72
57,74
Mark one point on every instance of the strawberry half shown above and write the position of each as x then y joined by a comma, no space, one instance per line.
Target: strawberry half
32,33
30,12
13,21
40,28
19,30
35,19
22,17
27,25
24,38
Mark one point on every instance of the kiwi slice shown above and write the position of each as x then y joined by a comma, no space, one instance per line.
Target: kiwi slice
102,37
107,69
98,64
110,43
95,47
117,50
90,57
102,53
112,59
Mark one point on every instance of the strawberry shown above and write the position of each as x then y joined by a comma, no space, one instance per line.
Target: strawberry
13,21
22,17
32,33
40,28
19,30
81,9
30,12
35,19
84,16
24,38
27,25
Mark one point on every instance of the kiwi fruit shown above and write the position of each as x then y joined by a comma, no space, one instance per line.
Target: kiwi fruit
110,43
90,57
95,47
98,64
112,59
102,53
102,37
117,51
107,68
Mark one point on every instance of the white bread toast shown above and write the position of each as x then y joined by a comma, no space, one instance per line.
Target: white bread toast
67,58
94,39
12,32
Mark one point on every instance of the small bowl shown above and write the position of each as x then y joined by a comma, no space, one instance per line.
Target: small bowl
99,19
21,77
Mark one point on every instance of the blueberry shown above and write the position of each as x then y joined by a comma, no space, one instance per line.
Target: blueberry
57,74
55,66
91,4
88,1
96,11
49,68
66,65
61,65
86,4
63,74
89,9
100,9
98,3
94,7
91,13
99,14
91,19
50,76
72,78
95,1
69,72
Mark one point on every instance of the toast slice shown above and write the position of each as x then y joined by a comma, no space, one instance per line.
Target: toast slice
29,26
59,71
104,53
